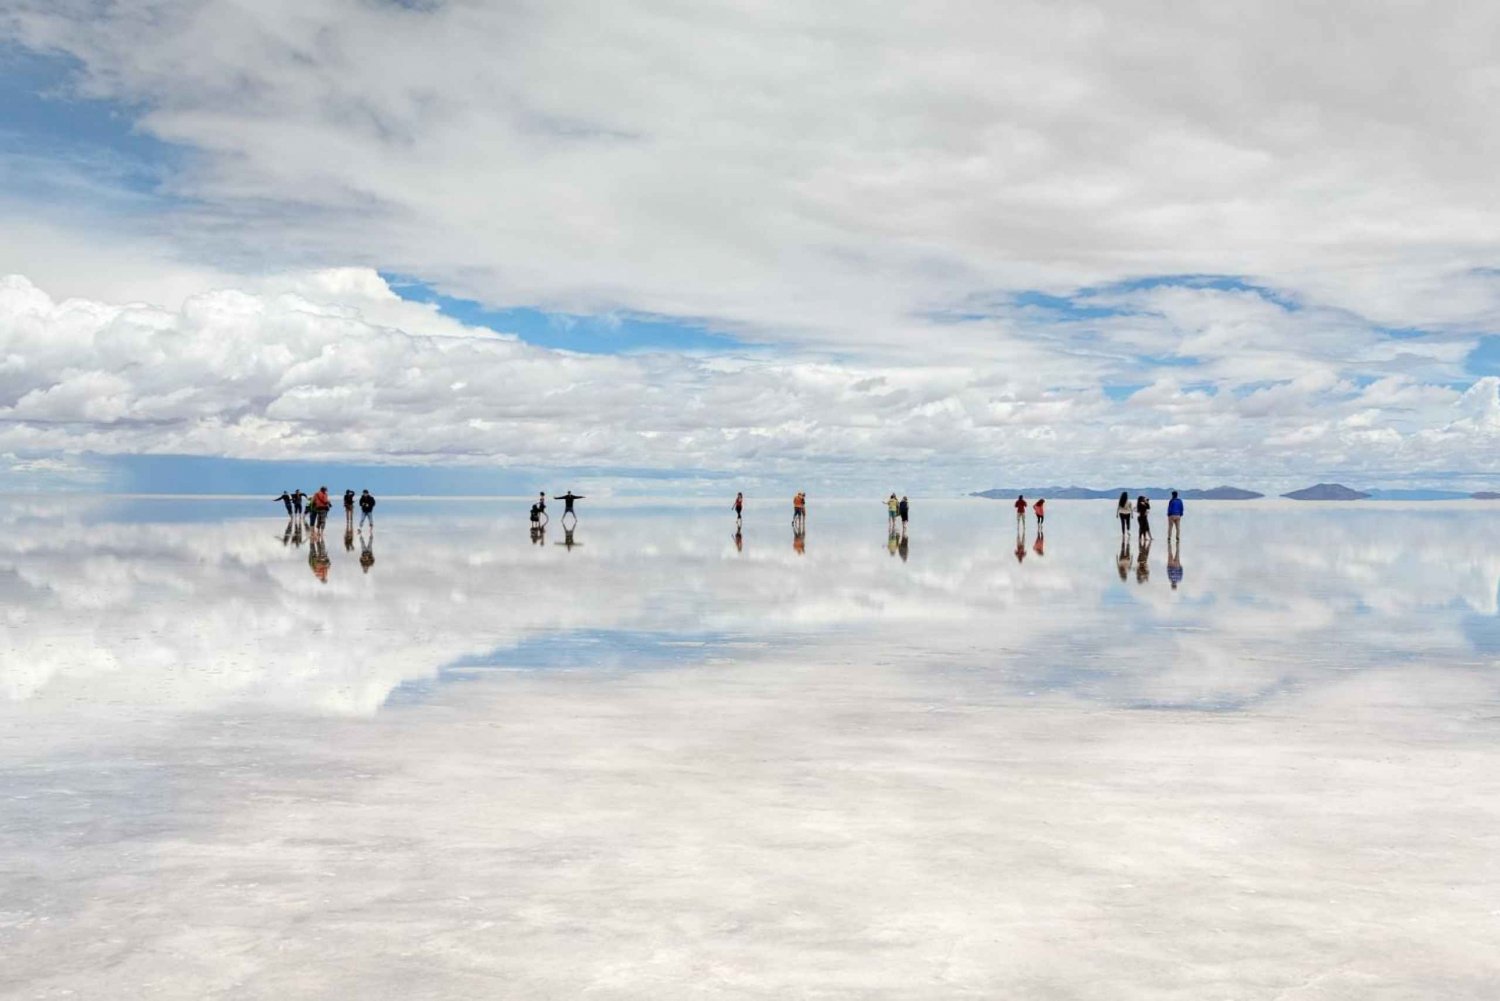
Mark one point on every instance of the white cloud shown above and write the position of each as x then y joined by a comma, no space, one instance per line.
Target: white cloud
822,174
842,182
332,365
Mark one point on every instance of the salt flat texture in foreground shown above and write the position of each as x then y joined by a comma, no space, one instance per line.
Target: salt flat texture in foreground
659,764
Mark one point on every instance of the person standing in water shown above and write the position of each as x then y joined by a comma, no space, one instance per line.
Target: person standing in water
1174,518
1142,521
297,498
799,512
1123,510
568,499
739,510
1038,509
1020,513
367,509
286,499
905,512
321,504
348,510
893,511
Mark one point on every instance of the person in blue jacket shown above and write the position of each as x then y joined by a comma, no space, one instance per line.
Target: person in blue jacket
1174,518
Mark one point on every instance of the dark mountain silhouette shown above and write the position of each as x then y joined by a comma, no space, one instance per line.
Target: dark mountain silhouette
1326,492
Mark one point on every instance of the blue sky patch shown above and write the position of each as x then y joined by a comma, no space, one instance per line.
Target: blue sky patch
615,333
41,118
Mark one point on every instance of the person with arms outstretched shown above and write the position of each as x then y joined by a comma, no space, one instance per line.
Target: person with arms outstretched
286,499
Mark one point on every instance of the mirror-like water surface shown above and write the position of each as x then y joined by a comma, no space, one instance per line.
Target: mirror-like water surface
444,758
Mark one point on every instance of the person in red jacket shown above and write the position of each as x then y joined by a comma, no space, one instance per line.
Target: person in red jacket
1037,509
1020,513
321,504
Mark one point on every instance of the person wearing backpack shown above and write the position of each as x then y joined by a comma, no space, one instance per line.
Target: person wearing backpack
366,509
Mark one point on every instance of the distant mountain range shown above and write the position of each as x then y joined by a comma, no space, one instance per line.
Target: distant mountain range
1316,492
1086,493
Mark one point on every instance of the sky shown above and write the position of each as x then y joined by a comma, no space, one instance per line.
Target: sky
653,246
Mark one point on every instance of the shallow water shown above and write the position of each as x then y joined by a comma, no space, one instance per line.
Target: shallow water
445,760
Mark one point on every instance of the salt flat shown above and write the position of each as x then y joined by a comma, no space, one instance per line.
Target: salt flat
660,764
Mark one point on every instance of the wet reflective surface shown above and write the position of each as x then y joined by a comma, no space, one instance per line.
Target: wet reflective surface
448,757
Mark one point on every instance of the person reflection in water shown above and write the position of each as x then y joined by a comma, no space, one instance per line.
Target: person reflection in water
1040,545
1142,568
799,538
317,558
286,537
893,541
567,539
349,540
905,548
1020,544
739,540
1122,562
538,535
1174,561
367,550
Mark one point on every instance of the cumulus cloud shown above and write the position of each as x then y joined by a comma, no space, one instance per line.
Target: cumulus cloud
334,365
870,189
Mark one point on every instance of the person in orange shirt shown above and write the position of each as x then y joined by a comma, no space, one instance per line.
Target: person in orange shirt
1037,509
321,504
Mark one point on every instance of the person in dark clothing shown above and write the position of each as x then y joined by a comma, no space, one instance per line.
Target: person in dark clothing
568,499
904,508
297,498
1142,522
349,509
739,508
366,509
286,499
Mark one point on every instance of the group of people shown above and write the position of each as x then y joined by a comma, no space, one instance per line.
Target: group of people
1142,511
539,508
315,507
